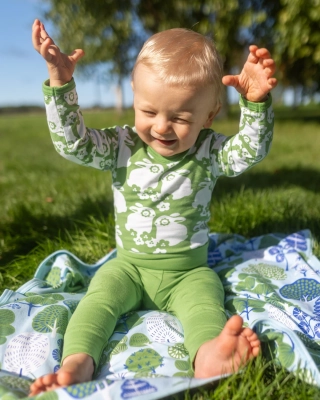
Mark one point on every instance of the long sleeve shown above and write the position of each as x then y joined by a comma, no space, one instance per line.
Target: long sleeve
235,154
72,139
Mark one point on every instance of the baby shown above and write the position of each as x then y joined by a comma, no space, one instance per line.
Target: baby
163,172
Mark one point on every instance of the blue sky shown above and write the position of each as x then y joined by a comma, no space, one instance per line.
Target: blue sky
22,70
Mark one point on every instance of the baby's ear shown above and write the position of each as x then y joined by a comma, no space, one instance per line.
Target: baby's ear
210,118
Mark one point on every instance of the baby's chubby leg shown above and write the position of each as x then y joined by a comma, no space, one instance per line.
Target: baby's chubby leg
216,345
114,290
76,368
228,352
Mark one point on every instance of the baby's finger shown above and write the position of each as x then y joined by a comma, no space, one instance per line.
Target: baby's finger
252,57
272,83
47,49
269,67
263,53
230,80
43,33
76,55
36,35
269,62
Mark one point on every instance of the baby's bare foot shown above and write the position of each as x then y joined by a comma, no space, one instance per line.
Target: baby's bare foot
227,352
76,368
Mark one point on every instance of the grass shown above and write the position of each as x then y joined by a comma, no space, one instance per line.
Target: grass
48,203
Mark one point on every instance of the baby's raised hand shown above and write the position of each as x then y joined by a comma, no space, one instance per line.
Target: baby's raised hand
256,78
60,66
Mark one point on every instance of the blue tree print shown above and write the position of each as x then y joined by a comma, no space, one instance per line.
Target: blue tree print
303,289
316,308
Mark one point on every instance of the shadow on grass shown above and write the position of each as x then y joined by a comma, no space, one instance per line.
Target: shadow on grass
283,179
287,226
305,178
28,229
304,114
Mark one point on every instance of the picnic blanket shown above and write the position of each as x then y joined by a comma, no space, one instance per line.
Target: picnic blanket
272,281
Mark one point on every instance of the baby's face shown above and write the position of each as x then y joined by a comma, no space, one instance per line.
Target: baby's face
169,118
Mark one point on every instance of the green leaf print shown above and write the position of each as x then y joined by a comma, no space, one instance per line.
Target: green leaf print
255,284
182,365
247,284
71,304
45,298
54,277
37,300
263,289
178,351
240,305
52,319
286,354
81,390
144,360
117,346
7,317
138,340
266,271
270,335
278,302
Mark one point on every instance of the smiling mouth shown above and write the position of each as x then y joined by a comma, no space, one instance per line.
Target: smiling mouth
166,142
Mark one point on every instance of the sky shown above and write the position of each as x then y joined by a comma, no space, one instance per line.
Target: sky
22,69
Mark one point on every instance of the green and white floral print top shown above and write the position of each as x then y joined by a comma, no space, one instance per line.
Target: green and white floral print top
162,204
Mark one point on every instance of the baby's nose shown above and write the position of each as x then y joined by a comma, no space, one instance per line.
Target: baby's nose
162,126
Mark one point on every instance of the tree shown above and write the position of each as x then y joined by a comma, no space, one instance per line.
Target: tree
112,32
291,29
103,29
297,43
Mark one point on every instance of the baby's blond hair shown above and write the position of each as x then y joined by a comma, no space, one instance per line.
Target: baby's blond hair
185,58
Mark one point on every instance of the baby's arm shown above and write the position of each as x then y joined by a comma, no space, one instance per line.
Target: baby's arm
256,78
60,66
74,141
71,138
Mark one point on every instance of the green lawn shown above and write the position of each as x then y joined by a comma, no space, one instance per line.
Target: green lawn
48,203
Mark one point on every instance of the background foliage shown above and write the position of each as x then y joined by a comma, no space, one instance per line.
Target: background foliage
112,32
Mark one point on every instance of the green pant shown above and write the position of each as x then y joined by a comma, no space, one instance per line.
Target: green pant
195,297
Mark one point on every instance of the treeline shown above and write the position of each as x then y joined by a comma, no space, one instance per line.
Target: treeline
21,110
112,31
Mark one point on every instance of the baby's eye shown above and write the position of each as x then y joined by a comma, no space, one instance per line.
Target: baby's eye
181,120
150,113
